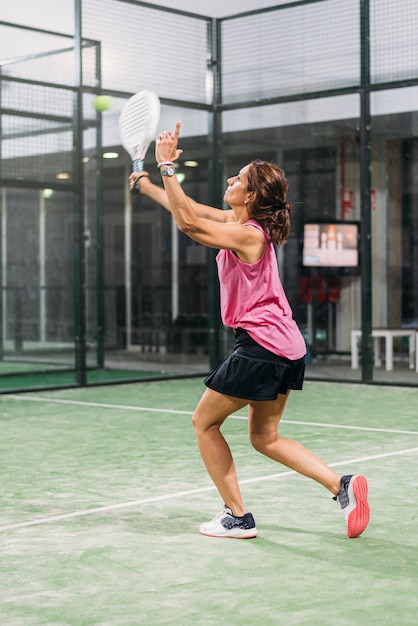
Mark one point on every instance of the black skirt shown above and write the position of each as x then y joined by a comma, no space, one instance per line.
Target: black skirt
254,373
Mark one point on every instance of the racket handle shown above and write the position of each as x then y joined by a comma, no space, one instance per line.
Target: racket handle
137,167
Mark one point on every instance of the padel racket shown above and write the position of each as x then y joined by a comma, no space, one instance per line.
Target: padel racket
137,127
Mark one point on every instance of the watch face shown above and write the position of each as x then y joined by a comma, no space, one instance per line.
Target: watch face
168,171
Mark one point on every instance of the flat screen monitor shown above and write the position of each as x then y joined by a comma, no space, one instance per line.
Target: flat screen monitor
331,245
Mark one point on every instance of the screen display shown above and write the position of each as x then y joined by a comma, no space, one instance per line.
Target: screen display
332,244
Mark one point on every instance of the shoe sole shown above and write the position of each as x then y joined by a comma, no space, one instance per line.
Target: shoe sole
359,517
244,534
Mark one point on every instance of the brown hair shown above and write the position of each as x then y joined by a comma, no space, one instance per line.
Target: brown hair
269,206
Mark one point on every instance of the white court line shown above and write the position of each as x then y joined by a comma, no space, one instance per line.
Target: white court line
127,407
190,492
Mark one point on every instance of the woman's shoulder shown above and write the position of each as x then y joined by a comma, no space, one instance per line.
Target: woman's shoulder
252,222
257,225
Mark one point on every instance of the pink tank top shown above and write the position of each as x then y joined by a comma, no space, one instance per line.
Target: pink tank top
253,298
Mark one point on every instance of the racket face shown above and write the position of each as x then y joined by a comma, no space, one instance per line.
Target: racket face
138,123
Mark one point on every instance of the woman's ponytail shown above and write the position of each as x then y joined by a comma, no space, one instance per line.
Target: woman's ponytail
269,205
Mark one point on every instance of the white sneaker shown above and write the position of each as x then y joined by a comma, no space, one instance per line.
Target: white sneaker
227,525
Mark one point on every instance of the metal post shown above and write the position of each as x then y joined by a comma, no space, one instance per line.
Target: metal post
174,270
215,189
365,197
3,317
42,267
127,220
100,301
79,208
3,272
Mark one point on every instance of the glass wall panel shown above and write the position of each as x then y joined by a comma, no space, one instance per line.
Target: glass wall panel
394,210
37,296
37,208
155,295
316,143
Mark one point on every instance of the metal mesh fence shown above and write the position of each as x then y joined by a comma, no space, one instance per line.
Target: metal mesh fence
37,99
37,102
148,48
37,120
393,40
291,50
34,148
36,55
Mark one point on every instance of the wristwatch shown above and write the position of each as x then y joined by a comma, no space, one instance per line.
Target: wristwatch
169,170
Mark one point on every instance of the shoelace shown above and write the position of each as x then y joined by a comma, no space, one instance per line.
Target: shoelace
218,516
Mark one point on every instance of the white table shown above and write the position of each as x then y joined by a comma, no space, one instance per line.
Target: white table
388,334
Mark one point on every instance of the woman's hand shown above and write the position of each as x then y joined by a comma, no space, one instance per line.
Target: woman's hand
141,180
166,146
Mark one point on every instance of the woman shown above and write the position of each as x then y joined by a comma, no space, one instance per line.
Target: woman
268,358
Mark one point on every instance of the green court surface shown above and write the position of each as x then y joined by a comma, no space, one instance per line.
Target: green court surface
103,490
58,378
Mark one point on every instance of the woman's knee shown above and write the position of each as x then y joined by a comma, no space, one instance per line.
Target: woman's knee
261,441
196,422
201,423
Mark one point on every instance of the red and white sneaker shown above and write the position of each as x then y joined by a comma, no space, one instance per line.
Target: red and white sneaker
352,499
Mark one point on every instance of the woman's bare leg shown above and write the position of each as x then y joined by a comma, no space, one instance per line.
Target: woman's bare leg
264,417
208,417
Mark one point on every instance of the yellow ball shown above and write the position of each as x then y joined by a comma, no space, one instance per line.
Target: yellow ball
102,103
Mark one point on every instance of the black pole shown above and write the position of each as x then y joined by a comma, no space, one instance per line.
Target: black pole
365,197
215,190
2,208
79,227
99,224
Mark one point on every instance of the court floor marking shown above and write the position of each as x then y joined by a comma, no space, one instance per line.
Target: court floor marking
127,407
189,492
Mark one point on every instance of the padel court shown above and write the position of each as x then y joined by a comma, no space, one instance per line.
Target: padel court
103,490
